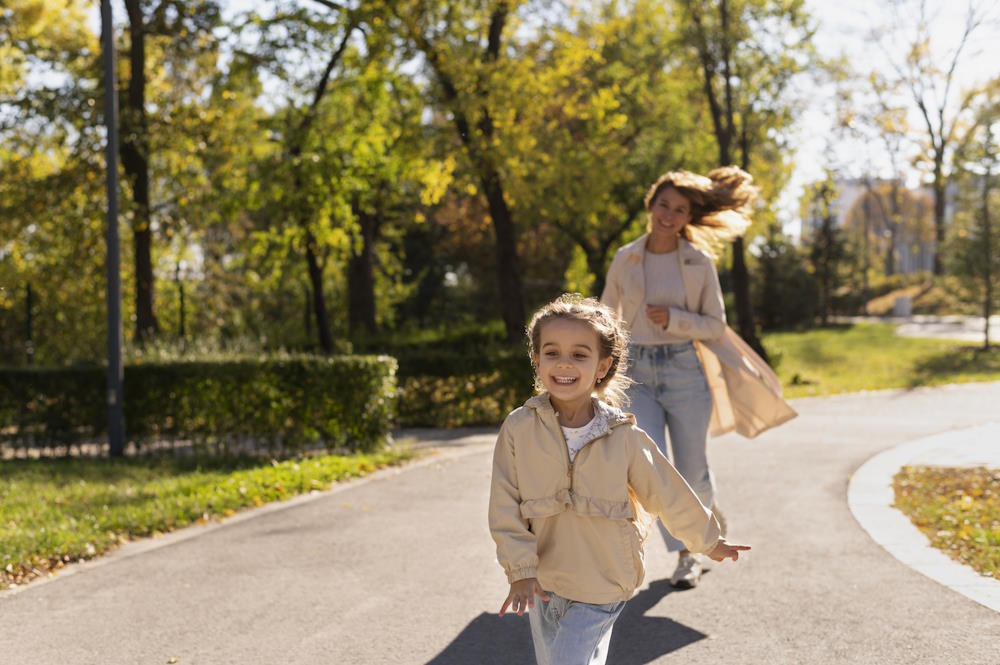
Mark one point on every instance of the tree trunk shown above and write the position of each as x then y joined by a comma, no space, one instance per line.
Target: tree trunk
939,193
988,265
866,249
744,306
740,277
135,160
319,299
307,314
361,278
508,273
595,264
893,223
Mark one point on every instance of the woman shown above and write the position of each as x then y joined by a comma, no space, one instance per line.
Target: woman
690,371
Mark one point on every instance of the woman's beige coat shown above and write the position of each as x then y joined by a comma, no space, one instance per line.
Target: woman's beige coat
745,391
575,526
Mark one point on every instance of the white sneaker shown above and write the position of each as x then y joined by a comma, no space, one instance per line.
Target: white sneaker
688,572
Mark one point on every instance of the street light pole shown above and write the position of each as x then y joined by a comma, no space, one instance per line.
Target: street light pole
116,419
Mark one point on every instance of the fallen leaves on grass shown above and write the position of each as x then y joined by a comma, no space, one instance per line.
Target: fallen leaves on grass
957,508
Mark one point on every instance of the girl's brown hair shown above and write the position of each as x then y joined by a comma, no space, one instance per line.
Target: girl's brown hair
612,335
721,204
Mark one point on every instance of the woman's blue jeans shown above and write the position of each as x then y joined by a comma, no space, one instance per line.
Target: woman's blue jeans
671,393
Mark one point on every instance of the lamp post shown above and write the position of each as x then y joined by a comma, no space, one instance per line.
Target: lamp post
116,418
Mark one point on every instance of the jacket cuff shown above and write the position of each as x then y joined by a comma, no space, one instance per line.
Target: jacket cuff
515,574
680,322
712,536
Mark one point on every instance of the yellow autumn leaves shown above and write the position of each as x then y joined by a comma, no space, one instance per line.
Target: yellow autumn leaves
958,509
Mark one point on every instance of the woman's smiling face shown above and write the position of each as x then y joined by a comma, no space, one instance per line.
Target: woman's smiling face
568,361
669,212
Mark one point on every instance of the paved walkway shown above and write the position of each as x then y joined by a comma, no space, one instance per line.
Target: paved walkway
965,328
400,568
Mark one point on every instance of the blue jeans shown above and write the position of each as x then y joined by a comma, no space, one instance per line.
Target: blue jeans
567,632
671,393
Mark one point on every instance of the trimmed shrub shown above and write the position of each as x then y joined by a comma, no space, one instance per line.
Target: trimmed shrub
439,389
283,405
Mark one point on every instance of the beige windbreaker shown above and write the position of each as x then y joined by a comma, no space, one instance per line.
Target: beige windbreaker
745,391
575,526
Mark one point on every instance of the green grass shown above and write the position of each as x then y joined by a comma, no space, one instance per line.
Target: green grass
872,357
958,510
56,511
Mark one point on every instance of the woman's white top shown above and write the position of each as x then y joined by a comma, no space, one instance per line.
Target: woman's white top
664,287
578,437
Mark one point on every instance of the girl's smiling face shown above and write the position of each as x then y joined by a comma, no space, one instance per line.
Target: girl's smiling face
568,361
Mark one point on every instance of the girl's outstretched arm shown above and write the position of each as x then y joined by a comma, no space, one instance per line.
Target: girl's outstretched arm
724,550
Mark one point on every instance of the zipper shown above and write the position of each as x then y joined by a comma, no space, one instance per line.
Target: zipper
565,446
569,462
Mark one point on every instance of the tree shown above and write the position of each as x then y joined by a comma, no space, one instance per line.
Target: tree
376,145
786,294
975,243
184,23
930,87
51,185
748,52
462,45
616,109
293,39
827,247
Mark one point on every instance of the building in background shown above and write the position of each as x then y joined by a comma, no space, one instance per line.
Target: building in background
894,224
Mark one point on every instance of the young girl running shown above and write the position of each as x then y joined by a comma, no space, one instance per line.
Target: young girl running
573,478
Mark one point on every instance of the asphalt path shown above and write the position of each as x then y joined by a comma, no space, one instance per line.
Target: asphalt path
400,568
954,327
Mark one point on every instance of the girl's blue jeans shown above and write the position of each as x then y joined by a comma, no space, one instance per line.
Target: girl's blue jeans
671,393
567,632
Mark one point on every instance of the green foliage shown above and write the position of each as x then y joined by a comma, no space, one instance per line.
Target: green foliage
785,293
457,376
58,511
282,405
827,246
462,400
973,247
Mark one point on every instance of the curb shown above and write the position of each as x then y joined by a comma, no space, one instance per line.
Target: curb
870,497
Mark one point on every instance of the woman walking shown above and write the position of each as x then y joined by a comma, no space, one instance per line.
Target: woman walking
683,359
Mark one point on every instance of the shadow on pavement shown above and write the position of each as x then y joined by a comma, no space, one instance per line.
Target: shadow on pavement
636,640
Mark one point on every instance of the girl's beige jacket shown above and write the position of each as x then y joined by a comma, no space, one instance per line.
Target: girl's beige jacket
745,391
577,526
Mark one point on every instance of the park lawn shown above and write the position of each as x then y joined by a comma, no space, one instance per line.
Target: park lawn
957,508
57,511
871,356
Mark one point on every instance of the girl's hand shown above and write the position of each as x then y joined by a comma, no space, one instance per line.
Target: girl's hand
658,315
724,550
522,596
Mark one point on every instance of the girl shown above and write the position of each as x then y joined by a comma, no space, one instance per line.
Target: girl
572,479
688,369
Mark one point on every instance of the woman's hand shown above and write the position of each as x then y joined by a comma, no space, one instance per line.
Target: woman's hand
658,315
522,596
724,550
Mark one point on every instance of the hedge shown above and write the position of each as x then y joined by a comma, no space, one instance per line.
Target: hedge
282,405
449,389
